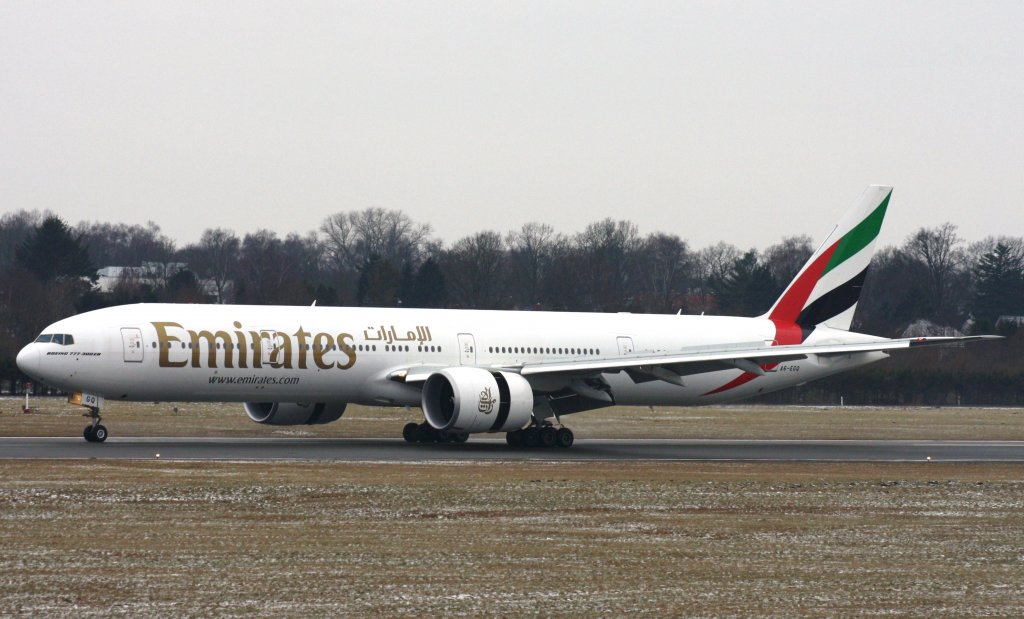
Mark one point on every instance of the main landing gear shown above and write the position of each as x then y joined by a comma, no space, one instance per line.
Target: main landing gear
425,433
94,432
541,436
533,436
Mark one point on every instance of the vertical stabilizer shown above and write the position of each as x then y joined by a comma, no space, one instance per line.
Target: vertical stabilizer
826,290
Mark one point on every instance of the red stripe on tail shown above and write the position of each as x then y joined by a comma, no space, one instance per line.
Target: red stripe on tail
795,298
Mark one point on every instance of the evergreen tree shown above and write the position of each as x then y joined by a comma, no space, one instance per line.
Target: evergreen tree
379,282
52,251
428,286
1000,285
749,288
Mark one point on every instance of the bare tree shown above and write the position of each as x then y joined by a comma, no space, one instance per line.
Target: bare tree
785,258
125,245
605,251
938,250
350,239
531,249
664,266
712,265
474,268
271,270
215,258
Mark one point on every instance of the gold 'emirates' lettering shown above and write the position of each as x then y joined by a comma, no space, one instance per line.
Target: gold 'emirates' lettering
282,353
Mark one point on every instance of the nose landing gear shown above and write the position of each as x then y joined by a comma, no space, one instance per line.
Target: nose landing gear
94,432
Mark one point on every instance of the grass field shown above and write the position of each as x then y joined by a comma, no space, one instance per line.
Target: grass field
494,539
242,539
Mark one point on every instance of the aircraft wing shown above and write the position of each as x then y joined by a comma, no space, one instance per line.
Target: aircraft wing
748,358
671,366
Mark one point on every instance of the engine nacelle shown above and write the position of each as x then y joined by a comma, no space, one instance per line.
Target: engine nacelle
294,414
475,400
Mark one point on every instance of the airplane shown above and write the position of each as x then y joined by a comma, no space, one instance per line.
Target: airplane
471,371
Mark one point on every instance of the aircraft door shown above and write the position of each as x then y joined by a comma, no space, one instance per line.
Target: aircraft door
271,346
132,340
467,349
625,345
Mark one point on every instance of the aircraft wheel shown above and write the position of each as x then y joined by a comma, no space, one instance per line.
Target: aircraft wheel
88,434
99,433
564,437
548,436
409,432
460,437
514,438
444,436
425,433
531,437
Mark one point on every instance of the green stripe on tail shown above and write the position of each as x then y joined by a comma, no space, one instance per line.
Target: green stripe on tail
860,237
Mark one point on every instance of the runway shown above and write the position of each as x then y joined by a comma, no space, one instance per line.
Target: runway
396,450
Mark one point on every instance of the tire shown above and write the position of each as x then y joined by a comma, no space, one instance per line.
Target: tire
531,437
461,437
99,434
444,436
548,436
88,435
564,438
425,433
409,432
514,438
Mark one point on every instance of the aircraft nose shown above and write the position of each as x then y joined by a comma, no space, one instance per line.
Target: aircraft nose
28,360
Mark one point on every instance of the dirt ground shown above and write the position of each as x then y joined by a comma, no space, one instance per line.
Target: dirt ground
55,417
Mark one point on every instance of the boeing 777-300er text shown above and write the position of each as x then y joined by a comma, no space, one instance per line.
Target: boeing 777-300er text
517,372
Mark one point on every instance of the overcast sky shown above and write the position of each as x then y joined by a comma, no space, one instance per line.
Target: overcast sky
715,121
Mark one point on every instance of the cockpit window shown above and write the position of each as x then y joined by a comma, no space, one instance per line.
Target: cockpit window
64,339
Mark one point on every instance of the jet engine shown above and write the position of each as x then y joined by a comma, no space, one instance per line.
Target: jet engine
464,400
294,414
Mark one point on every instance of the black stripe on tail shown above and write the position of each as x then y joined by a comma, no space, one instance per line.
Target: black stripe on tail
833,302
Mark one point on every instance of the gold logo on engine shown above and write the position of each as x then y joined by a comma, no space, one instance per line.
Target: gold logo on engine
486,404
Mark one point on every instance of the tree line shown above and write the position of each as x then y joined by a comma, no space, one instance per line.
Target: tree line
932,282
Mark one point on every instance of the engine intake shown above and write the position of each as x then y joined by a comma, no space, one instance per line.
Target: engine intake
462,399
294,413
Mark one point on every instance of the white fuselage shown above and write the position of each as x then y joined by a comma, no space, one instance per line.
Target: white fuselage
307,354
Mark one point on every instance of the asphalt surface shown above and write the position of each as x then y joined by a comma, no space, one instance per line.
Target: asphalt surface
396,450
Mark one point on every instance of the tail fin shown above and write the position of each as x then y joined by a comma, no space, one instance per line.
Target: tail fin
827,288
